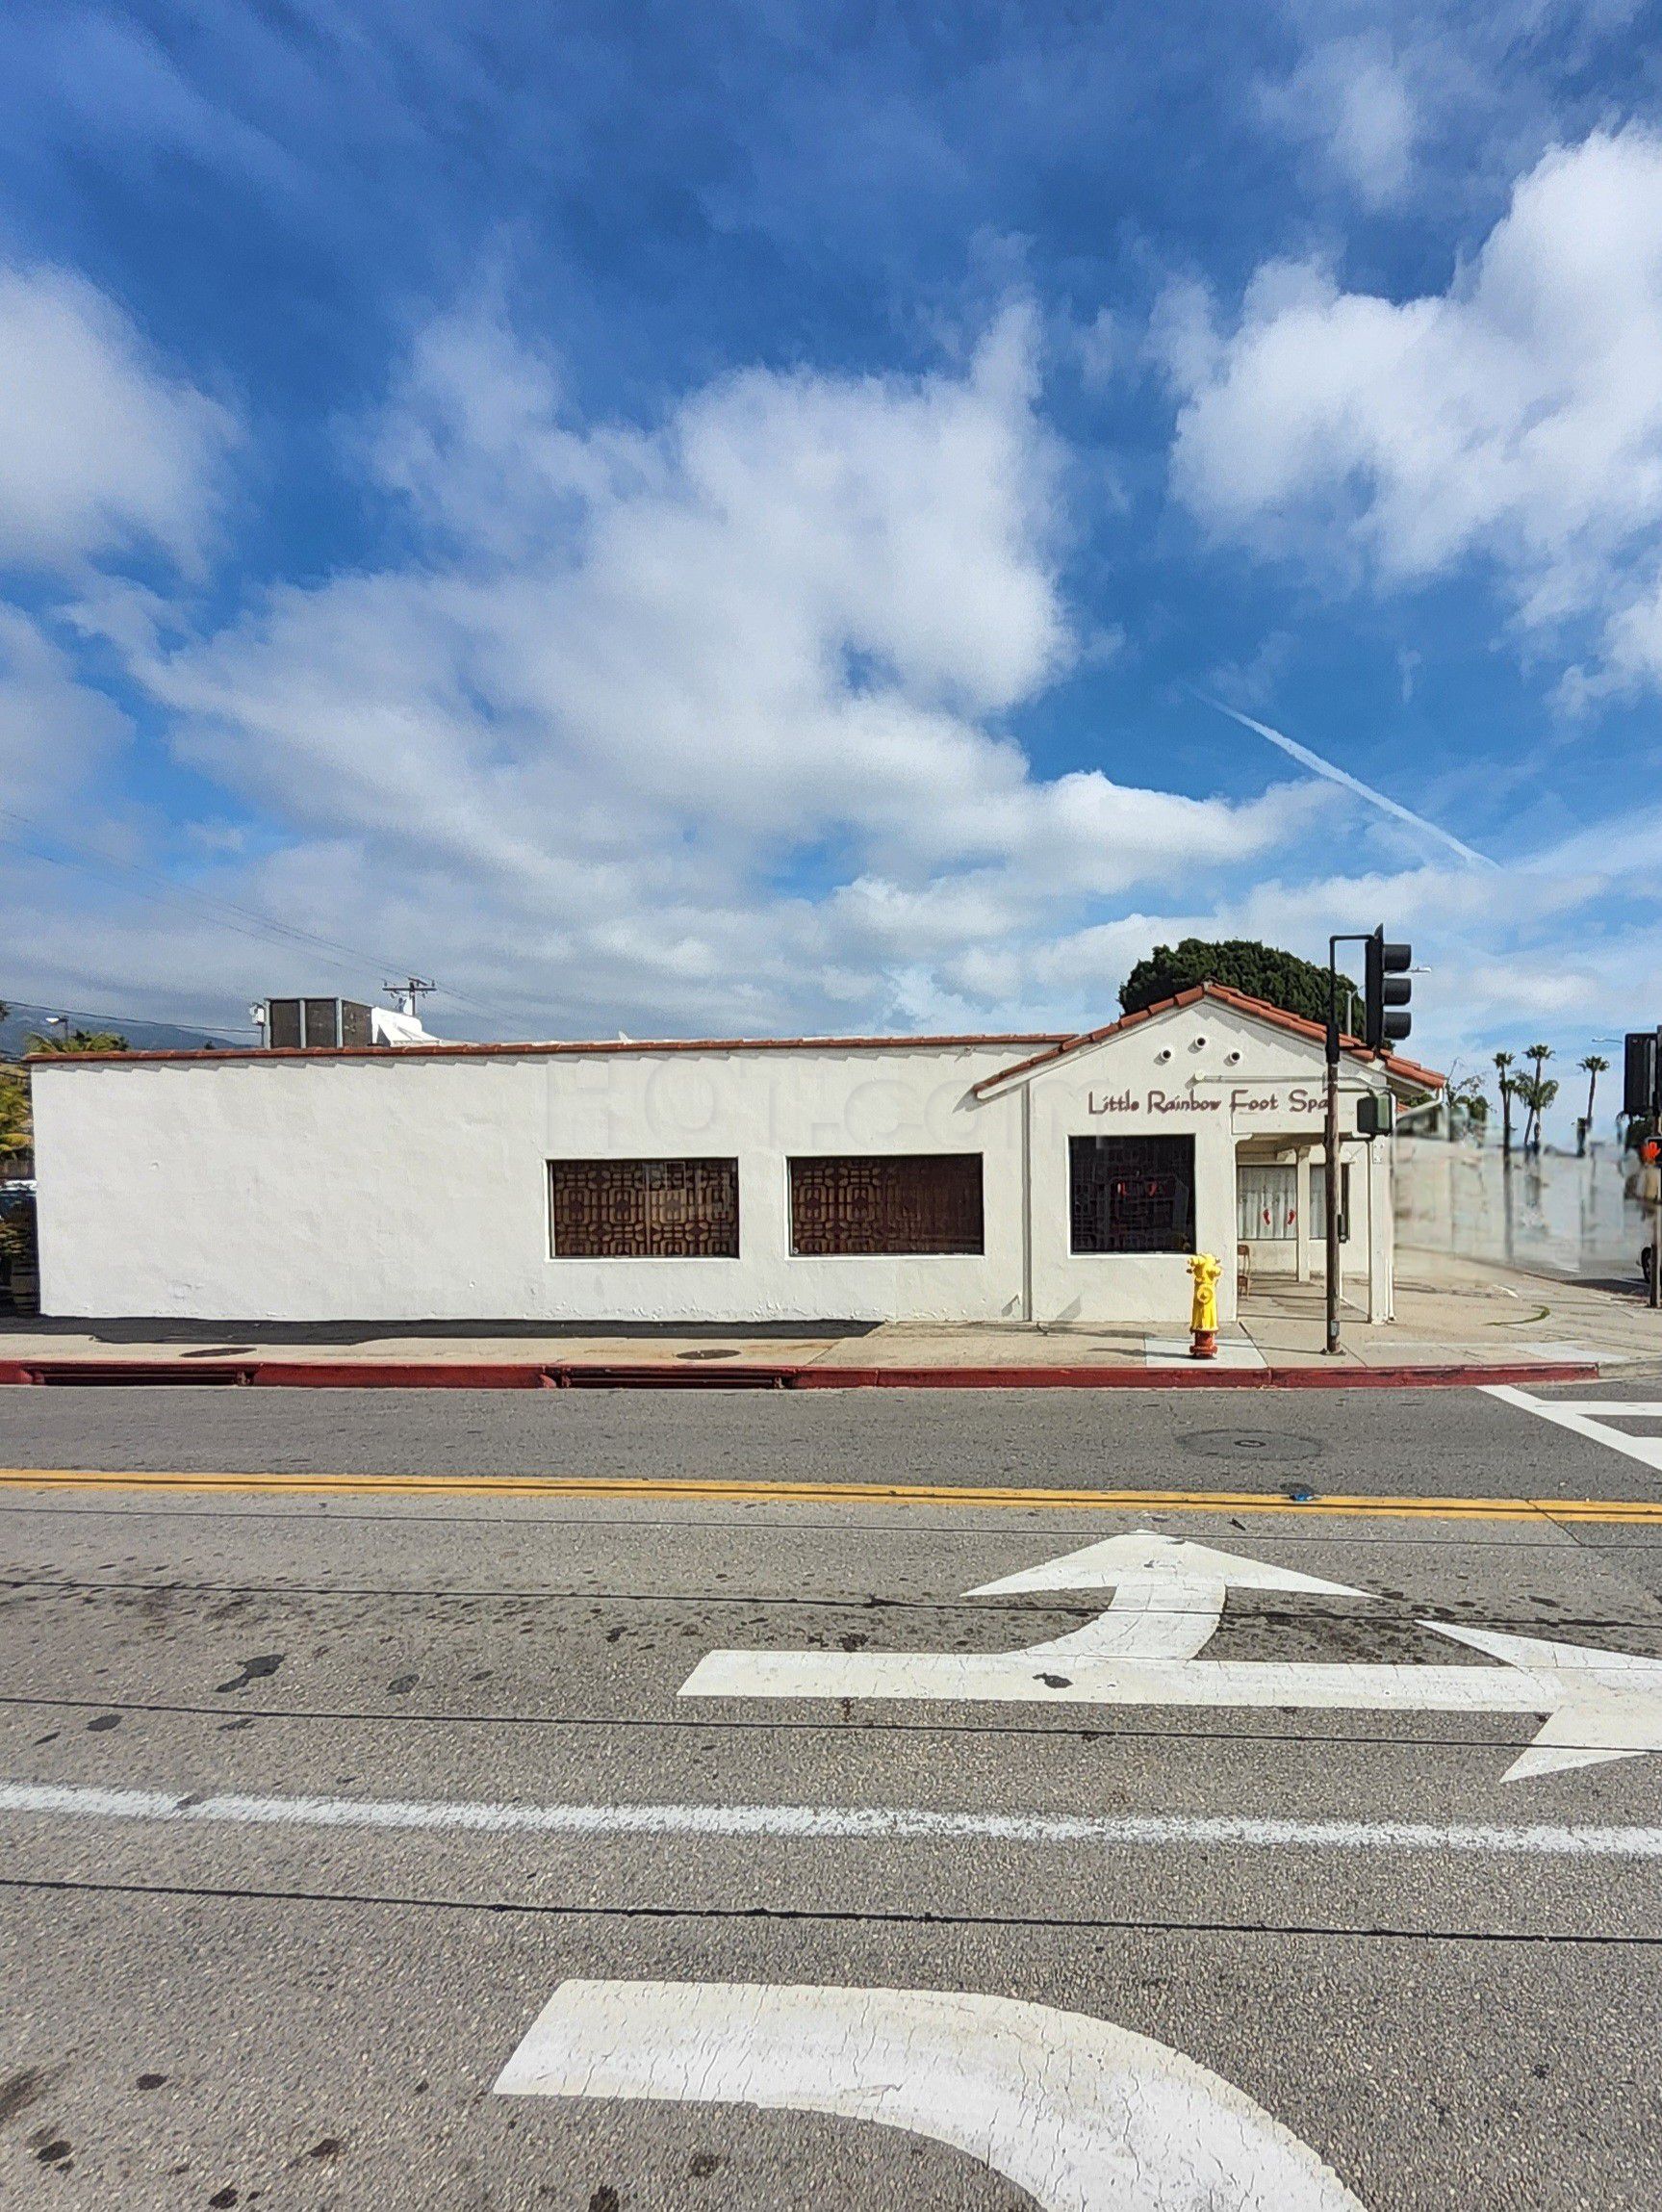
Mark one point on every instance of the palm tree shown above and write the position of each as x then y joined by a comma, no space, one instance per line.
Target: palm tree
1537,1093
1593,1067
1502,1061
1539,1054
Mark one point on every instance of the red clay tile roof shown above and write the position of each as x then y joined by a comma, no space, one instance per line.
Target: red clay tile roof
1404,1071
555,1048
1057,1044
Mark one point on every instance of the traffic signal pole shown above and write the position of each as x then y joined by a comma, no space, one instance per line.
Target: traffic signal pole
1385,1023
1656,1209
1330,1146
1641,1102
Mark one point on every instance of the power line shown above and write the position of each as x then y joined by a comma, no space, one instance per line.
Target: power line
26,1006
229,914
184,895
177,905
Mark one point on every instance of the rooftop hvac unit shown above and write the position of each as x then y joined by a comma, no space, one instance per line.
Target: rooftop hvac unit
317,1024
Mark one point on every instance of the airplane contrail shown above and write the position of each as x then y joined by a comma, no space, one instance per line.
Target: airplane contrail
1343,776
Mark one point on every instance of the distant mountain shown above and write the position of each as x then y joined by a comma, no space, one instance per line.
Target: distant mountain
143,1036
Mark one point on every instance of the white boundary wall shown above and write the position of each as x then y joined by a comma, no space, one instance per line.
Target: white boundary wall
405,1185
412,1187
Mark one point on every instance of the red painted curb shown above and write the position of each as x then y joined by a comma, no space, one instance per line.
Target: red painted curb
1197,1378
1419,1377
478,1375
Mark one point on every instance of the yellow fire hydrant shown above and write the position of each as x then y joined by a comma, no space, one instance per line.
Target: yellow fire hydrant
1203,1314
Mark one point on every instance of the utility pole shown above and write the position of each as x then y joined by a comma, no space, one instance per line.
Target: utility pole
409,993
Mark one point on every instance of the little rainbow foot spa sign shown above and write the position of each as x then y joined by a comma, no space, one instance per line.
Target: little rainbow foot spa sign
1293,1098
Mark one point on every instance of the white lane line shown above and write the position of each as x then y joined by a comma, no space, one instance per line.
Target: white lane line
1609,1408
1083,2114
1646,1450
846,1823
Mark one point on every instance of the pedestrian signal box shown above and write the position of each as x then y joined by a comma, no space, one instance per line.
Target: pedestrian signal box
1375,1113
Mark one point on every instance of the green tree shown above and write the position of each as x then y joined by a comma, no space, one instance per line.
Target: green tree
16,1129
1468,1091
1260,970
76,1040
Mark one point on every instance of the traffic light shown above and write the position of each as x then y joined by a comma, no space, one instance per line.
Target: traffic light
1387,991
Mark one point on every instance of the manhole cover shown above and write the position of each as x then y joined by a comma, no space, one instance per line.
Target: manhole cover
712,1352
1250,1444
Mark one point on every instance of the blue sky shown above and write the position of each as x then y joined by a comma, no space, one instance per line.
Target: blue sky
733,520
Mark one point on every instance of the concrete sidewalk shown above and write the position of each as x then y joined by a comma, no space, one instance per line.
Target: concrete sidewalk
1457,1321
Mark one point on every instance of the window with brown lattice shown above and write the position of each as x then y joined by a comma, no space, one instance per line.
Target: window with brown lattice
1132,1194
644,1209
887,1203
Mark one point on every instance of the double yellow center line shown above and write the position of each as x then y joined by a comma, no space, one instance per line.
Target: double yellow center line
675,1490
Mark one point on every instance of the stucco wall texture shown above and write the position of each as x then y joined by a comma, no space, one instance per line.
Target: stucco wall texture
409,1187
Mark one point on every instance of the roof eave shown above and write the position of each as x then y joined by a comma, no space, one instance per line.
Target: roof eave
1394,1068
547,1049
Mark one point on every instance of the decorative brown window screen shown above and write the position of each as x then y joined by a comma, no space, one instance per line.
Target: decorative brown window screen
906,1202
1132,1194
644,1209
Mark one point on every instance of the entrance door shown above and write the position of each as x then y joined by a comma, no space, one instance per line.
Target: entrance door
1265,1201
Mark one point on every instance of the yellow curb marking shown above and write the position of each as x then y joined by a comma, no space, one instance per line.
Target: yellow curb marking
1560,1511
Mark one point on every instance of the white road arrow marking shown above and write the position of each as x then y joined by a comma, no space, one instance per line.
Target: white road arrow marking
1168,1595
1085,2116
1006,1677
1600,1705
1597,1705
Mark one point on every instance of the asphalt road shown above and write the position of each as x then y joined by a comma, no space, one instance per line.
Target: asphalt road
311,1802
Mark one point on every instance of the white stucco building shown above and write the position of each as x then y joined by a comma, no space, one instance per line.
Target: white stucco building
1037,1179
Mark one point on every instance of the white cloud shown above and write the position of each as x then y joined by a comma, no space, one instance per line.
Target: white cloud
1515,418
697,724
1440,106
55,733
1351,99
702,727
102,449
